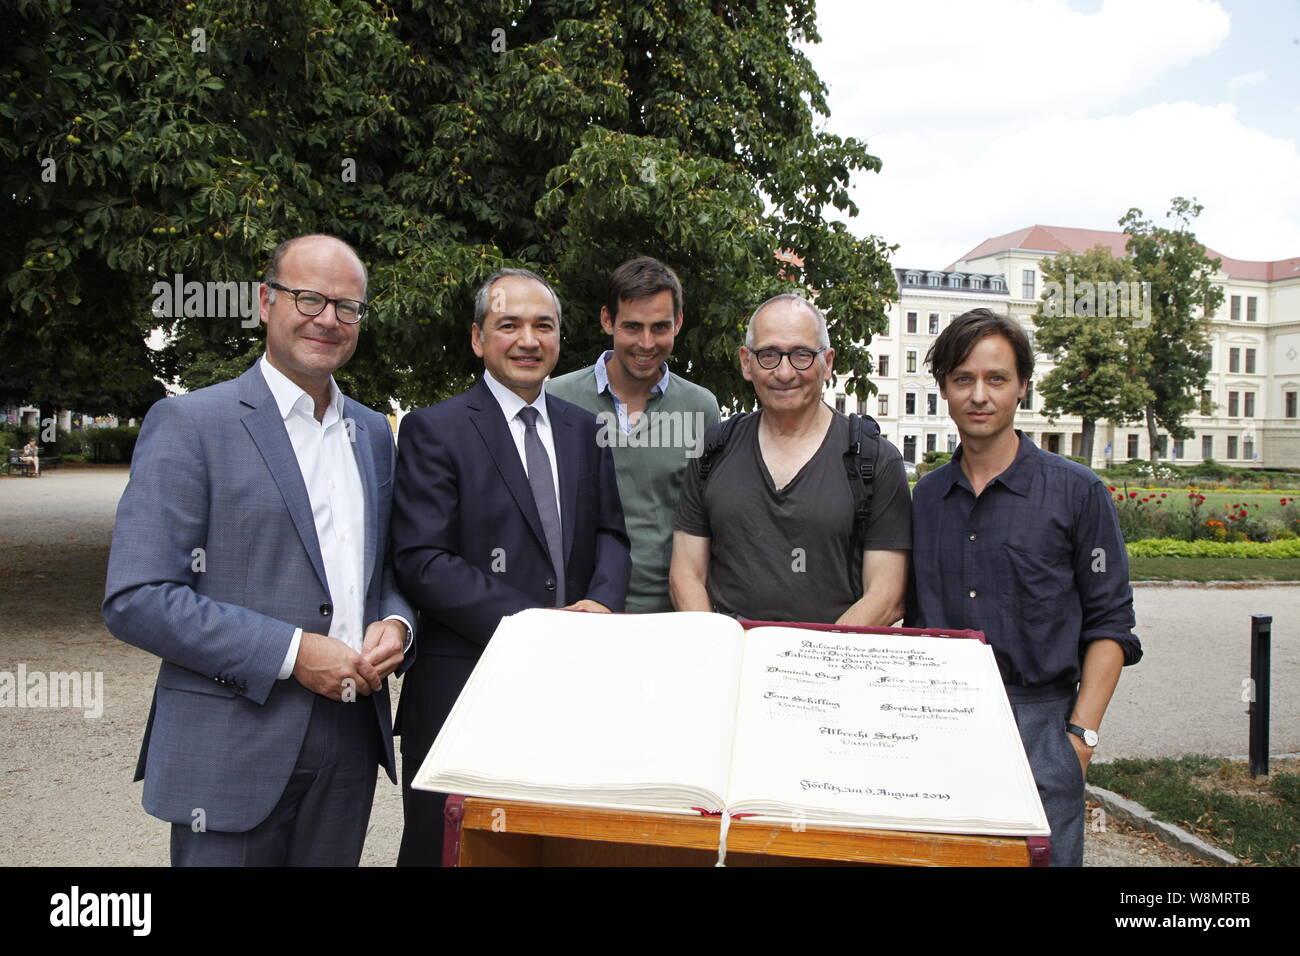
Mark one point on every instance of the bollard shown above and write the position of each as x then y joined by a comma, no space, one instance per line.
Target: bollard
1261,631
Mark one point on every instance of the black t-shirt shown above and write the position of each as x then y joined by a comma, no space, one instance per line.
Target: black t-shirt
786,555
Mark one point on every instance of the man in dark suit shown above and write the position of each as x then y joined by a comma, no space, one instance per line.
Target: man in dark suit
251,554
503,501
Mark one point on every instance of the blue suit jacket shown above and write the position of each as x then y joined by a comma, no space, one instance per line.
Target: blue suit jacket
468,544
214,470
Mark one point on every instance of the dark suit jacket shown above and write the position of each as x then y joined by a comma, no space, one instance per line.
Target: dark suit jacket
215,470
468,545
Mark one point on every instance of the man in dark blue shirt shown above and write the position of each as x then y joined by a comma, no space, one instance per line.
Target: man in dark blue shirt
1025,546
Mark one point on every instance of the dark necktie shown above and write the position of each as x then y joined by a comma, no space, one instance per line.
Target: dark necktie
543,485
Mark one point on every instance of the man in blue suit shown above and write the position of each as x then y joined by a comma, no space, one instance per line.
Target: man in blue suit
251,554
503,501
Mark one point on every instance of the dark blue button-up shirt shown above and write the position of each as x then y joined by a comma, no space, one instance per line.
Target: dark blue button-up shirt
1036,562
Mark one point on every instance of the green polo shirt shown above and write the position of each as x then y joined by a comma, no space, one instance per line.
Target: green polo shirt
650,460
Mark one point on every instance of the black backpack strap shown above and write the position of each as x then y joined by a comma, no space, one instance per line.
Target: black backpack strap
714,442
860,466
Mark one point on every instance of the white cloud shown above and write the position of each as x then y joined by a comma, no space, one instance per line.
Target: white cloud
1252,78
890,65
994,116
940,203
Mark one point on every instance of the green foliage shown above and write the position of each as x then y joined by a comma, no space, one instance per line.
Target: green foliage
1183,294
936,458
1093,347
560,136
1171,548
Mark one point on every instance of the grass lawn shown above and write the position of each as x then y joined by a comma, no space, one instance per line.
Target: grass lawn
1270,502
1214,569
1256,820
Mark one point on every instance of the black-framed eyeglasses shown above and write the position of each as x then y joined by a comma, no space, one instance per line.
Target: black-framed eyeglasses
800,359
348,311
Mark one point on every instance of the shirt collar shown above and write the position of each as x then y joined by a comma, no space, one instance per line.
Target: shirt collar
289,396
511,404
602,375
1017,476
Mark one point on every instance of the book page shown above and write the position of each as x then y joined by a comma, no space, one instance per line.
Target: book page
597,709
880,730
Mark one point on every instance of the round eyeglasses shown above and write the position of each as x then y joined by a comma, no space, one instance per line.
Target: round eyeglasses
800,359
348,311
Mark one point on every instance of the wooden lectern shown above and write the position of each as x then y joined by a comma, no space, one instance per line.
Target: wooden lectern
483,832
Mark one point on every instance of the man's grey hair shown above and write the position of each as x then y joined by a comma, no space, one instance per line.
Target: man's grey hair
272,271
823,337
484,292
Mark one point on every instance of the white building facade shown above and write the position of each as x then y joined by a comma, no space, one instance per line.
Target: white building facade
1249,414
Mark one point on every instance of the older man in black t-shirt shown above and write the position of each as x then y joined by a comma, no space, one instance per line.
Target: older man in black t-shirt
769,534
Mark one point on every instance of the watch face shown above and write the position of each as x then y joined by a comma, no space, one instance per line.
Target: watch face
1090,738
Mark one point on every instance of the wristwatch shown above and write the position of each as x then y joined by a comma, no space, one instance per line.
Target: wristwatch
1089,736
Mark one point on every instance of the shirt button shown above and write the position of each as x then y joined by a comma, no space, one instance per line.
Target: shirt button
972,537
972,592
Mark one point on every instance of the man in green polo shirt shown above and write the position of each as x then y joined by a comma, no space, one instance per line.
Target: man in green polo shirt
654,420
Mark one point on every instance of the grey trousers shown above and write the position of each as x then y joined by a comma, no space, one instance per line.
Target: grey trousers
321,818
1041,714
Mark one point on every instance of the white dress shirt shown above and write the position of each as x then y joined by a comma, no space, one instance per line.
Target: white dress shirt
329,470
511,405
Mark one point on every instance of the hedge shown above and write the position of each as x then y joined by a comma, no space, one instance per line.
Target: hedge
1174,548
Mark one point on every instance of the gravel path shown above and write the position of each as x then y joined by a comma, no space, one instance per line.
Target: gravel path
66,795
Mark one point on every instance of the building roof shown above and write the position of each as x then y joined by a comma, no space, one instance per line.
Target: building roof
1038,238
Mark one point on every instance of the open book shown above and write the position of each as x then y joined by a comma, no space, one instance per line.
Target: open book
687,712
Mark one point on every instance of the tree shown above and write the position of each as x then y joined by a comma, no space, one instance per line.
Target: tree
443,141
1183,295
1092,342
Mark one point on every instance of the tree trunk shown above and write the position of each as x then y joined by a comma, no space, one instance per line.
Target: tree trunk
47,416
1151,436
1087,438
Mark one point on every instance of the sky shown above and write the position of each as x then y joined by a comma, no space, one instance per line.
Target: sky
994,115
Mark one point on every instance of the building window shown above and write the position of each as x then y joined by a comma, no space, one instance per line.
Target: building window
1233,404
935,278
934,323
954,281
1250,361
1208,355
977,282
932,405
1207,402
1162,446
914,278
1028,403
839,404
909,448
995,283
1178,448
1026,283
911,323
909,403
882,366
1236,308
1232,446
1290,404
1250,404
1250,317
883,405
1234,360
1248,449
932,442
911,361
1132,446
1207,446
952,443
